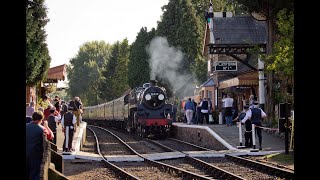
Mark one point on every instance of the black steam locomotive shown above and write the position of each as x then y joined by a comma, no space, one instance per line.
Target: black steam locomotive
144,111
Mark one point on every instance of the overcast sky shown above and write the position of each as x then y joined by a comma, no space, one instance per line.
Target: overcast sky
74,22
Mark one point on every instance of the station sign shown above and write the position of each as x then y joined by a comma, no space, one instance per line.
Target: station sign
225,65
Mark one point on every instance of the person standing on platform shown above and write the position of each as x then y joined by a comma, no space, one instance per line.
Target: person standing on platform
64,108
35,133
205,106
77,108
53,119
46,112
69,127
228,103
198,113
194,112
188,109
57,103
29,111
256,115
247,125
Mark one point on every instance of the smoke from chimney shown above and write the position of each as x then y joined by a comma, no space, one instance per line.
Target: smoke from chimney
165,62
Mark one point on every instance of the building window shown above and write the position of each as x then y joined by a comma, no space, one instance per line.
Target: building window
210,94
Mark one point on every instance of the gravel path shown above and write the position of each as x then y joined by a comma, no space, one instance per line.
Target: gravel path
145,171
87,170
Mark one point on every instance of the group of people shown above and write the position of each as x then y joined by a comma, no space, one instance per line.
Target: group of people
195,113
42,123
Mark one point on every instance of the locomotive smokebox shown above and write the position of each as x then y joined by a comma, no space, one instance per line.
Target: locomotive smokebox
153,82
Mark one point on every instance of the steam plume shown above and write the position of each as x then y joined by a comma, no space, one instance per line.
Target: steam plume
165,62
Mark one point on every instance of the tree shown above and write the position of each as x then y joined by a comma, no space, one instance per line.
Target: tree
281,60
219,6
84,71
183,30
120,78
138,69
37,54
115,72
269,10
199,70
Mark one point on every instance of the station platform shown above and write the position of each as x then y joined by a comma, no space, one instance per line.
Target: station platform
228,136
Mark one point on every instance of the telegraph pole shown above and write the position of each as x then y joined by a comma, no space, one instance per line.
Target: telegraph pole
210,23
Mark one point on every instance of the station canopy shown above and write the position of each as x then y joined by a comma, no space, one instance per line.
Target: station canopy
249,79
56,73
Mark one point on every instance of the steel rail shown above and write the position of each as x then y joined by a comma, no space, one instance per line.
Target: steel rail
113,167
282,173
210,169
181,172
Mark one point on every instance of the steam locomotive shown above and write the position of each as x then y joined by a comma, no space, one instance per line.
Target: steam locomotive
143,110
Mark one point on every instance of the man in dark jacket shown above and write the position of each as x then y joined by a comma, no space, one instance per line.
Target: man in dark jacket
35,133
205,106
255,115
69,127
53,119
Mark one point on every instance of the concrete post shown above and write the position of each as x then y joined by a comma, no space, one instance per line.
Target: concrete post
261,84
220,118
254,139
240,135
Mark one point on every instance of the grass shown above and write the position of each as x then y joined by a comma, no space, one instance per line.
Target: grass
281,158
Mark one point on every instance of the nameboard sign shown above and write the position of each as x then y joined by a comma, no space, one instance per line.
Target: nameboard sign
225,65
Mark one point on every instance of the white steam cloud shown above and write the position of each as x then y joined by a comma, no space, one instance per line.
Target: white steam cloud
164,63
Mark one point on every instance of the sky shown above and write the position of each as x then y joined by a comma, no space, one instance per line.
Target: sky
74,22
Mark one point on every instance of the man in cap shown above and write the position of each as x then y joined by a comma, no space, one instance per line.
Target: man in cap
256,115
69,127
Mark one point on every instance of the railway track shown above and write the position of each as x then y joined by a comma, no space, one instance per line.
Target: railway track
241,168
194,168
115,169
173,171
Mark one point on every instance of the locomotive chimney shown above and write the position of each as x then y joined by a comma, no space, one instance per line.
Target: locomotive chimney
153,82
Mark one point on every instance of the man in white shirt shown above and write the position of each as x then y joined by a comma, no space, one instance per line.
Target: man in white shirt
228,104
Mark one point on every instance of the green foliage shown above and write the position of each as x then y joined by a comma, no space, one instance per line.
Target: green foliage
115,72
120,78
184,30
84,71
138,68
281,158
199,68
37,54
218,6
269,8
282,58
